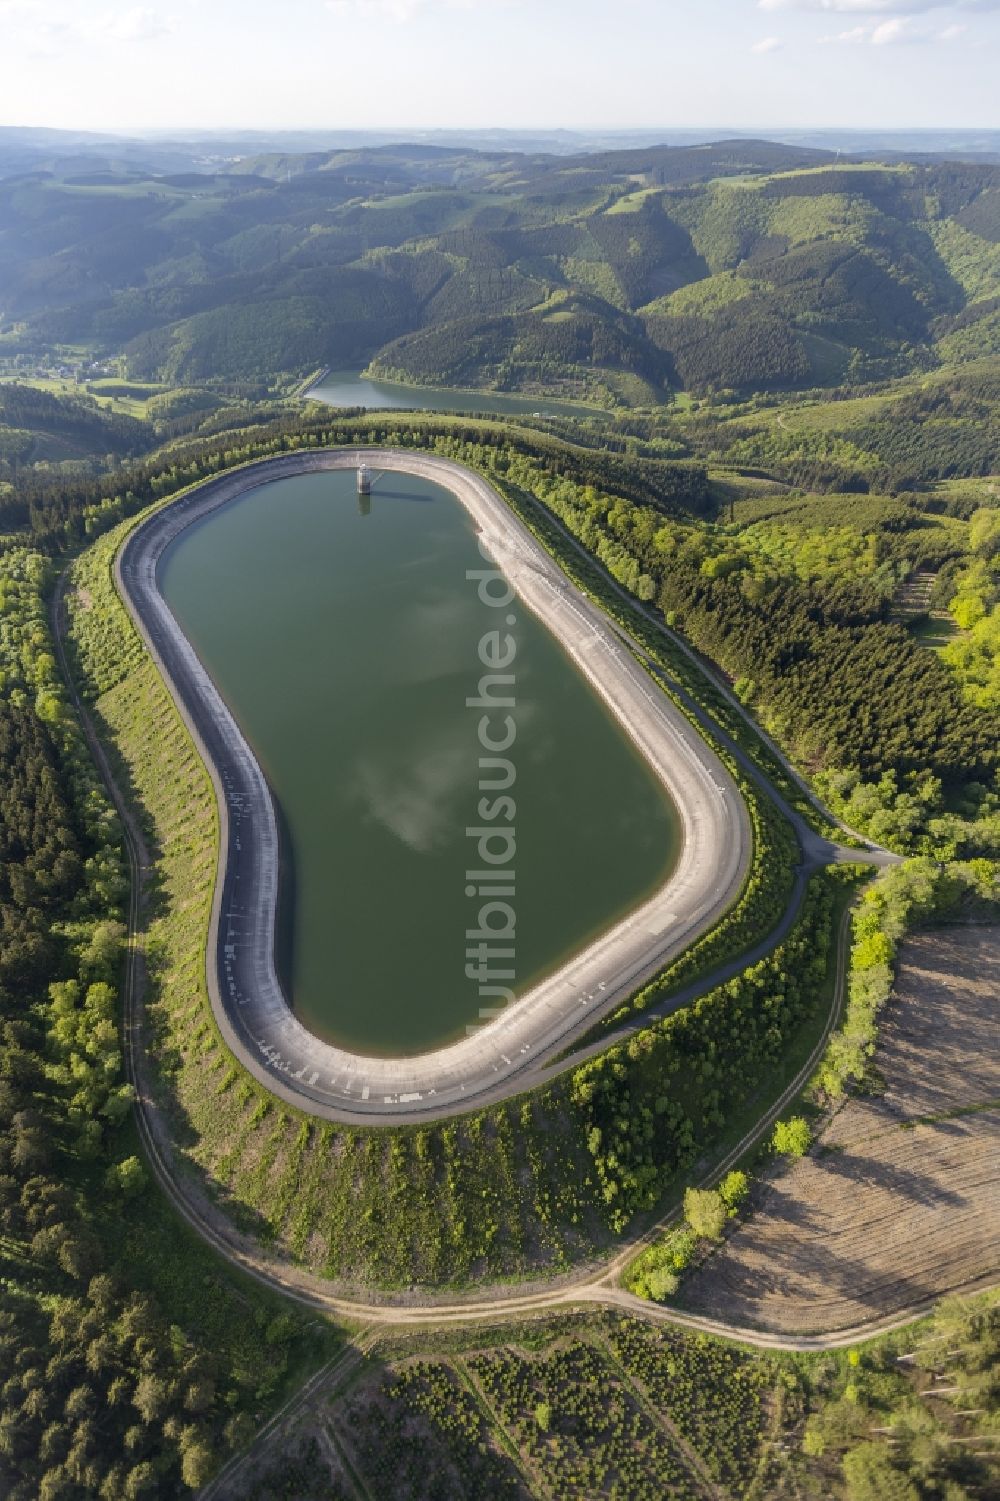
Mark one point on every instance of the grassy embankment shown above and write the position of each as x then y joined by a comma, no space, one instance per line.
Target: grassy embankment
318,1192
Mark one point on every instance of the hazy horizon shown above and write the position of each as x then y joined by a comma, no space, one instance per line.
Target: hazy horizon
707,132
473,64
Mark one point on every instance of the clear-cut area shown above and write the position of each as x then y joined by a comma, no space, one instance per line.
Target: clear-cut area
899,1201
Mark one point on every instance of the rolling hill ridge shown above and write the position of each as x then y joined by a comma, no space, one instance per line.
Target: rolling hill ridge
616,276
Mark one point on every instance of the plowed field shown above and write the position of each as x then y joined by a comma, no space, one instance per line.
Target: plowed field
899,1201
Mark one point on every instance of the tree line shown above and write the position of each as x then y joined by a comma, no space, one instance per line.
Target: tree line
58,512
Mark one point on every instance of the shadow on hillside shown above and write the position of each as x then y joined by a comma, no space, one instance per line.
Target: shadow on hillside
869,1172
795,1282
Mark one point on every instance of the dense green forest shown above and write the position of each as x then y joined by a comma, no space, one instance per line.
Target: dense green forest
129,1356
59,510
617,276
891,438
51,425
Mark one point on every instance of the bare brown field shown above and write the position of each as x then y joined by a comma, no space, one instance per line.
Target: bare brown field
899,1200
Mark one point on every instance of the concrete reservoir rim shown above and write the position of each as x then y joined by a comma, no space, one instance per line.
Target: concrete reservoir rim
491,1062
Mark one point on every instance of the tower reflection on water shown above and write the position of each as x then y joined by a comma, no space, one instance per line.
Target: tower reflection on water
367,479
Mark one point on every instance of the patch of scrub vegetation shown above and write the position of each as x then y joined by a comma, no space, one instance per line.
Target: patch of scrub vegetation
911,1416
657,1271
579,1427
974,656
422,1419
800,219
595,276
918,893
608,1406
973,261
657,1102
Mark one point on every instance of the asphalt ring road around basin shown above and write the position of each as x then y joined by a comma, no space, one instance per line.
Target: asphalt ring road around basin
491,1063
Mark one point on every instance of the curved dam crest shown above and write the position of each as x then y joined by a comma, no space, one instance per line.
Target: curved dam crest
246,995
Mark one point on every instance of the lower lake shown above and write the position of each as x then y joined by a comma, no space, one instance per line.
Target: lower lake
346,388
347,645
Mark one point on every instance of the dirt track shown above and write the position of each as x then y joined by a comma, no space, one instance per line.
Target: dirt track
891,1207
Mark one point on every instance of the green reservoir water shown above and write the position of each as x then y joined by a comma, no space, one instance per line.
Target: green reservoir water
346,388
346,645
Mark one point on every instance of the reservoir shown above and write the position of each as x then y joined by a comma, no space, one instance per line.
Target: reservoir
347,646
346,388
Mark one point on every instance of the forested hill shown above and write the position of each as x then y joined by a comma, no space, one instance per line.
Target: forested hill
617,275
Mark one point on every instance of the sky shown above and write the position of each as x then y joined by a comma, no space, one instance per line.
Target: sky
372,64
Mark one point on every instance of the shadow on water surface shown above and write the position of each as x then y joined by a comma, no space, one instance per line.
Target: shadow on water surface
379,494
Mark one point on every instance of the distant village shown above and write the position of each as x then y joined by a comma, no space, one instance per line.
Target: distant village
22,367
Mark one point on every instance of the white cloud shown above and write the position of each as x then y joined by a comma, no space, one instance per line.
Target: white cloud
895,29
401,11
888,32
45,28
767,44
837,7
140,24
415,800
394,10
879,7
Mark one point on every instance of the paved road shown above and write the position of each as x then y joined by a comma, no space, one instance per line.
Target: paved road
507,1053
